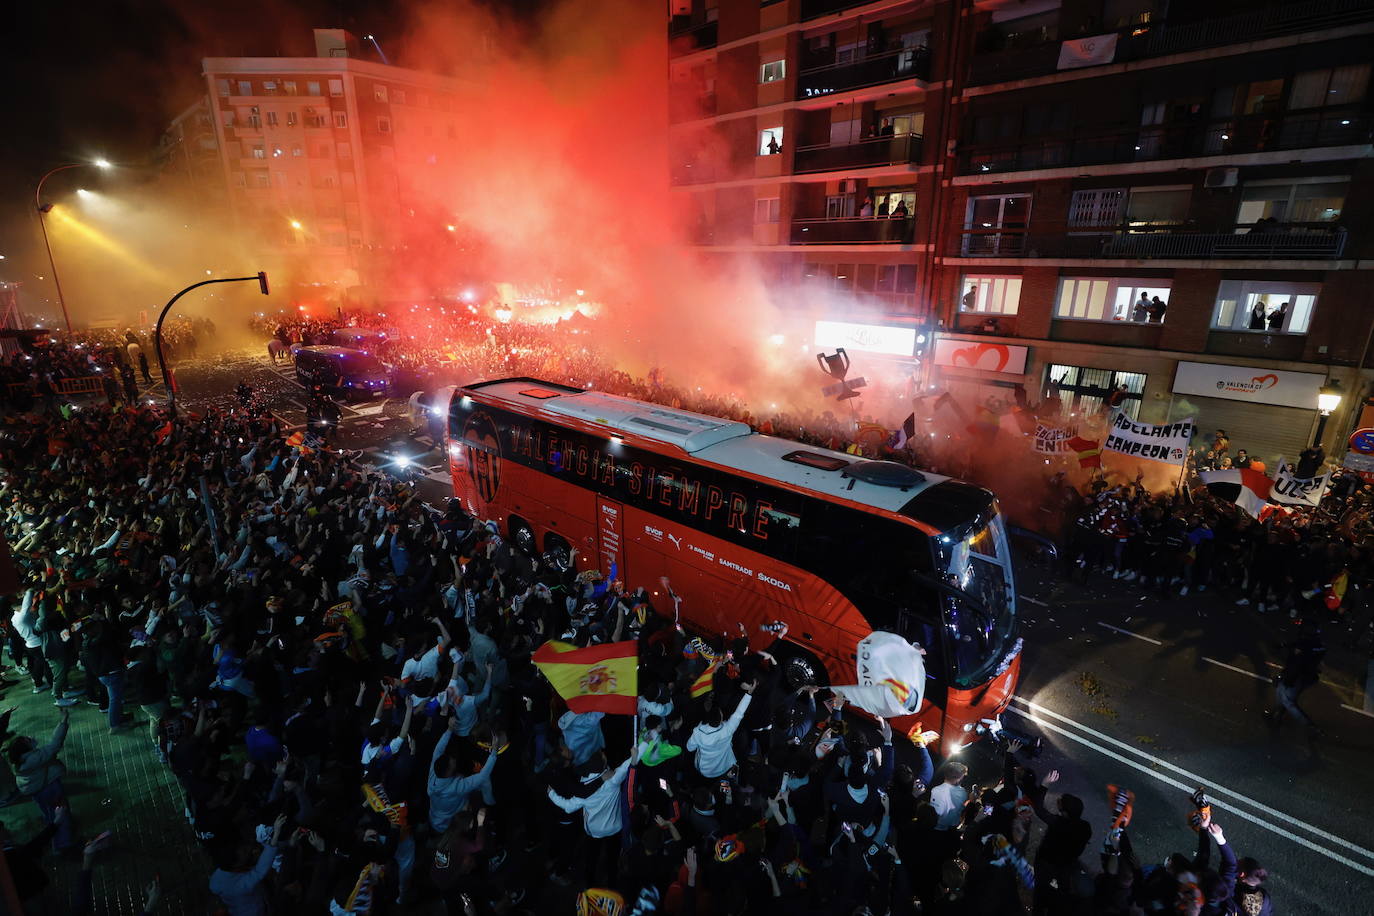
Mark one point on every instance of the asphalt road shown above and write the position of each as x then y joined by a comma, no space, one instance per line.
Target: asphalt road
1159,695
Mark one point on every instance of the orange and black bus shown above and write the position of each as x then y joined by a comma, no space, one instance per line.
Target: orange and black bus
752,529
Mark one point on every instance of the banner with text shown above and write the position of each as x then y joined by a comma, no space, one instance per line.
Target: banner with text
1298,491
1050,440
1167,442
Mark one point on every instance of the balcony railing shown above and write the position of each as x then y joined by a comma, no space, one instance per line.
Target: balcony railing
853,230
1290,241
828,157
1137,43
810,9
1245,134
873,70
691,173
686,34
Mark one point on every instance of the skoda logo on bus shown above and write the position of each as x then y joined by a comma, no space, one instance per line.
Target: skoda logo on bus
483,448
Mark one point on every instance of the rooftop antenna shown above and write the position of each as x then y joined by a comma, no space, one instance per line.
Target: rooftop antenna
375,44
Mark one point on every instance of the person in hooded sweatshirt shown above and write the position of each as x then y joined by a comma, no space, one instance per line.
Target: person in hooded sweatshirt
712,740
582,734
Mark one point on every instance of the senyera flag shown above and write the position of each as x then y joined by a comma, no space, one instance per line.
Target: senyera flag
602,678
1246,488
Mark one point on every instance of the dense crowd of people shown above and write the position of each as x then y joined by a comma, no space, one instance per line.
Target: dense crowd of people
340,678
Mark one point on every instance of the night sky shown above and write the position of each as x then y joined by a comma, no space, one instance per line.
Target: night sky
104,77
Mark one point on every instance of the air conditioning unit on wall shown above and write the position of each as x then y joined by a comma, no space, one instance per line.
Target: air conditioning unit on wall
1221,178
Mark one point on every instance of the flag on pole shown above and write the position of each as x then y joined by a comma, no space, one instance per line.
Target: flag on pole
1089,451
705,682
905,434
1246,488
602,678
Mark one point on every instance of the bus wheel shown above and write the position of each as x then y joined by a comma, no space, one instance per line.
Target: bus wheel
802,669
559,553
523,536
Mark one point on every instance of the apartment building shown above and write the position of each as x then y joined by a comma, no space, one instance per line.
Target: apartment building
1069,162
325,157
188,159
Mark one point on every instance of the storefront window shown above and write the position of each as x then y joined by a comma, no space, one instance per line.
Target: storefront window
1084,390
1267,307
1109,299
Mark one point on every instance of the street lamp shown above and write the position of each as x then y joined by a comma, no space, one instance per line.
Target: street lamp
1328,401
260,277
42,224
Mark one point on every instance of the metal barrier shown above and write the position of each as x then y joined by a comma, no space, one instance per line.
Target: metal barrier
80,387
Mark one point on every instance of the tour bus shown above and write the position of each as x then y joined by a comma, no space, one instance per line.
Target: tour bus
753,529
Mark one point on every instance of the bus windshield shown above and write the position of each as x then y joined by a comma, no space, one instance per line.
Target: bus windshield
980,629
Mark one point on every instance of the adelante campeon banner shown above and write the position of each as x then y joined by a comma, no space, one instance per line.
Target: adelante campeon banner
1167,442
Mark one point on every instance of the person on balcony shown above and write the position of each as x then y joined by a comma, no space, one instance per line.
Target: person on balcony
1157,309
1278,316
1258,316
1141,310
866,211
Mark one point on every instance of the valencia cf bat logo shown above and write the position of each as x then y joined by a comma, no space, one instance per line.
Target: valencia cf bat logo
482,453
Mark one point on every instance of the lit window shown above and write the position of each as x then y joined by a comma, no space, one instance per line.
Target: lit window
770,141
336,87
1295,202
297,151
767,209
289,87
1264,306
222,87
997,295
276,152
290,119
245,87
773,71
1111,299
340,119
312,87
269,87
259,151
271,119
379,92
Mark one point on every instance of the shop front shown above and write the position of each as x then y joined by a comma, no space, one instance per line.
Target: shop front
1271,413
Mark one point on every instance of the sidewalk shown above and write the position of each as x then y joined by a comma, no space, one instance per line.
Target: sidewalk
114,783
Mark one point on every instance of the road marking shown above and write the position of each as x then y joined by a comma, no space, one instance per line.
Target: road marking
1332,684
1258,677
1035,601
1360,711
1194,781
1129,633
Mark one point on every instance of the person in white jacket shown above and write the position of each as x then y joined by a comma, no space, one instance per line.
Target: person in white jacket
25,623
713,740
601,815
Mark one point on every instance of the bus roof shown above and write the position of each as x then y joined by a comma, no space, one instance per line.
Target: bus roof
727,443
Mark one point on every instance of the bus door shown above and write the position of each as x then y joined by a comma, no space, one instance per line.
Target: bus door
610,542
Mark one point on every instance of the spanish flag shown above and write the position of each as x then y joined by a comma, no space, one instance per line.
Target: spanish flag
601,678
1089,451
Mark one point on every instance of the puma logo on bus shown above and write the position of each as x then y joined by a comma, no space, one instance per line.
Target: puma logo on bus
677,541
972,356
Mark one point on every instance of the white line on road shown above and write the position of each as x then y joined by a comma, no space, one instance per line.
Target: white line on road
1213,661
1360,711
1035,601
1195,780
1129,633
1170,781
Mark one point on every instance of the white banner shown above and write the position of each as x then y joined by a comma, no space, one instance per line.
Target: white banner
1246,383
1298,491
957,353
892,676
1358,462
1166,442
1087,52
1049,440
